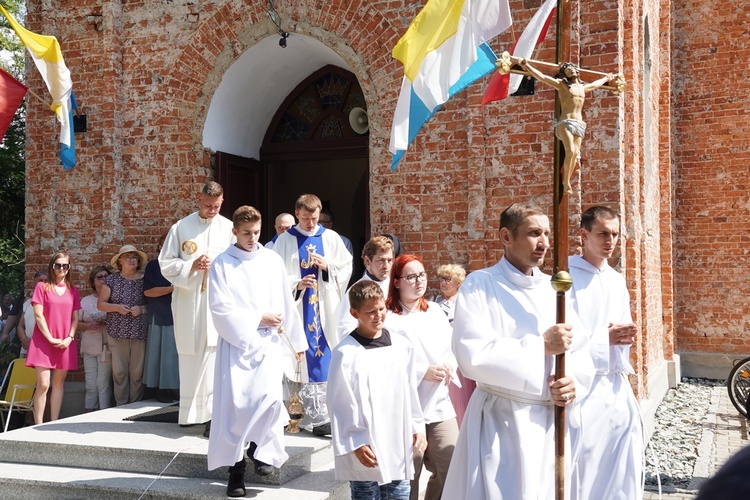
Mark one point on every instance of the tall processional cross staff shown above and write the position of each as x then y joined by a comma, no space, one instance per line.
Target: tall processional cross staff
567,79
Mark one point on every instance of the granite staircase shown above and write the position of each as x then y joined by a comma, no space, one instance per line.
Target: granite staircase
99,455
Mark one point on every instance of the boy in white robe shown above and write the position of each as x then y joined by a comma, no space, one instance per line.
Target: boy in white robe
249,303
505,337
376,419
611,457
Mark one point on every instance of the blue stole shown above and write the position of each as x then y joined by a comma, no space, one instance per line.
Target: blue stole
318,353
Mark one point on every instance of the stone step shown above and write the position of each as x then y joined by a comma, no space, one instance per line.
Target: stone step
103,441
32,482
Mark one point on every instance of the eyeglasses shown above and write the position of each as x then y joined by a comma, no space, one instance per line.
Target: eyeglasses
412,278
130,257
101,277
57,265
446,279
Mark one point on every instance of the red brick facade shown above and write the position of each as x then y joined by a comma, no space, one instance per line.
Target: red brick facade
668,154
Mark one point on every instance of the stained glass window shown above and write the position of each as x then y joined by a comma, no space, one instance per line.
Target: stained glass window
318,109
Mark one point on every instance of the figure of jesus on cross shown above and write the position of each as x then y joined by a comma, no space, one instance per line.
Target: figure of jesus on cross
569,127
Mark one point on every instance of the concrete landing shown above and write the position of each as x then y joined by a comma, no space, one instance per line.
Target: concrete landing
100,455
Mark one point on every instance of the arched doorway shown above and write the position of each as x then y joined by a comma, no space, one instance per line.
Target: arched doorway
310,147
278,123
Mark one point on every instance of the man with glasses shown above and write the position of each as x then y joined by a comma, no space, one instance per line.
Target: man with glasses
505,337
378,258
191,244
326,220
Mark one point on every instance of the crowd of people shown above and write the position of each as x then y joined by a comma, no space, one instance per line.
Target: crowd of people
108,330
462,386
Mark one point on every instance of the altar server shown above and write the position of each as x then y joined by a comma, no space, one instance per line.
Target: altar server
258,327
376,418
505,338
610,463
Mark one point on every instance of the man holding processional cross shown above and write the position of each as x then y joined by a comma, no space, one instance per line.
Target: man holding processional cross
520,433
505,337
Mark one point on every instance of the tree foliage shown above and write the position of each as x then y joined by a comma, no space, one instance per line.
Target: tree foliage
12,163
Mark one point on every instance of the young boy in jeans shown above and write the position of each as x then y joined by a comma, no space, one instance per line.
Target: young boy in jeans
376,419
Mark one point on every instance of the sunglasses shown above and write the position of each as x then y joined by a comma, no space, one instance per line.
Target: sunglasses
57,265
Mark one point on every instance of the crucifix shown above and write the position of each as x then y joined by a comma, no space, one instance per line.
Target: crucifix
571,89
567,79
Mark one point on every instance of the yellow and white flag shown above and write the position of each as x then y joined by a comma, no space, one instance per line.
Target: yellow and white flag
46,53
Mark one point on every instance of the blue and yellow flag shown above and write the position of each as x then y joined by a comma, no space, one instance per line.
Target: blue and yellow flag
443,51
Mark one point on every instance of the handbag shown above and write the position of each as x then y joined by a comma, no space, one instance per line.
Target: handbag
106,355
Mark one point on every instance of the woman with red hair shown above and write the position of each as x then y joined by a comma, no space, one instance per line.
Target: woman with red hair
425,325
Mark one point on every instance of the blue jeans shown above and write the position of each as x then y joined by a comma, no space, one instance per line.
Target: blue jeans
369,490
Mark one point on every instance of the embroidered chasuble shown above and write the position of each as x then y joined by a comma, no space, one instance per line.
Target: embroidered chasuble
318,354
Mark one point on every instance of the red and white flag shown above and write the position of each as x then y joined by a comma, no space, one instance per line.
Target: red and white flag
501,86
11,95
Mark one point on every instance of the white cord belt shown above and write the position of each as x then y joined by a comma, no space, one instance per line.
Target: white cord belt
609,372
518,399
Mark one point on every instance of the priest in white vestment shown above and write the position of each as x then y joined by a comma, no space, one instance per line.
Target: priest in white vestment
250,304
191,244
318,267
610,464
505,338
377,256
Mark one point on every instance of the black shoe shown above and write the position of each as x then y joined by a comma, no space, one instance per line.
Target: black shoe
207,432
163,396
236,484
322,430
261,468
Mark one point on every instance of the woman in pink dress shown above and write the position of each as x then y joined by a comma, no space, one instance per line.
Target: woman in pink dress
53,350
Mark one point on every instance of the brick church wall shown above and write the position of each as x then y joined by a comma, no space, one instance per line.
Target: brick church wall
144,73
712,185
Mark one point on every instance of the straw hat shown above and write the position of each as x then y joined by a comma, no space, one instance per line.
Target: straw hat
142,258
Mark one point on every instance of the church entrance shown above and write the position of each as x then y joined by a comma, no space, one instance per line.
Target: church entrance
274,140
312,147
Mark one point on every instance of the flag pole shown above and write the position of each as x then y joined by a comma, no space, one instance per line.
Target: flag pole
34,94
561,280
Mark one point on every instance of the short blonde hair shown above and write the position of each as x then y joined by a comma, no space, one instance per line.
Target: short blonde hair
244,214
212,189
309,202
455,271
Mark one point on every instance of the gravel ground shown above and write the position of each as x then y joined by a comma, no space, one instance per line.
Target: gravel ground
673,449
